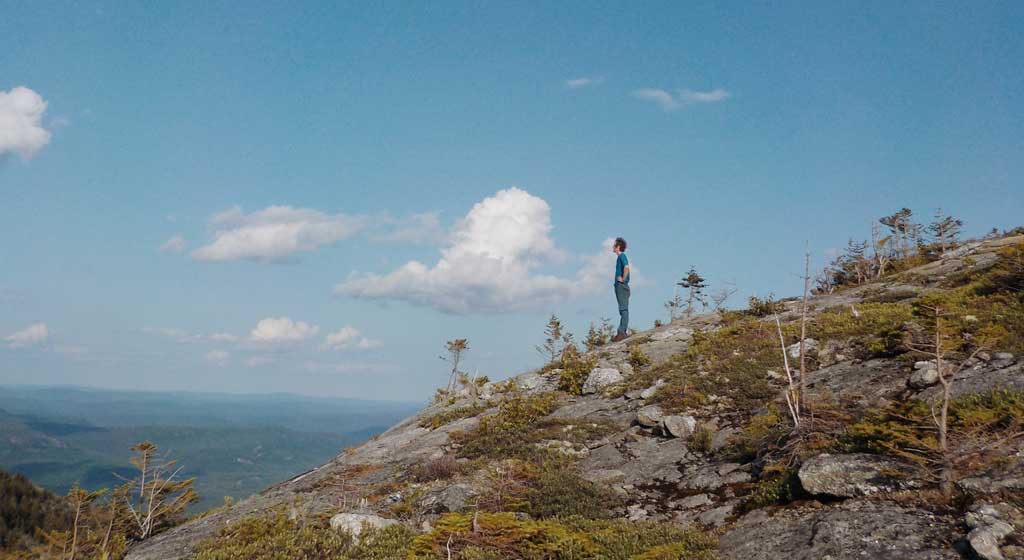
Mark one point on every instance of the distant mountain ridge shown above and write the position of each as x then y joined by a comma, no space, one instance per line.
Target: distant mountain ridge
235,444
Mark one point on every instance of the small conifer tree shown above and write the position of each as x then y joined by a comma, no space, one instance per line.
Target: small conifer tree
945,230
554,340
694,284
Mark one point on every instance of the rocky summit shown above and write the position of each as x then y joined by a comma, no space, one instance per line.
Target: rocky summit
690,441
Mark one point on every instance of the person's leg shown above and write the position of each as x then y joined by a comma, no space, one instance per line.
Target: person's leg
622,296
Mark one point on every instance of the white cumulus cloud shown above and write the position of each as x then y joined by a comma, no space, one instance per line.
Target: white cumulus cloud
683,97
490,264
28,336
21,128
349,337
282,329
275,233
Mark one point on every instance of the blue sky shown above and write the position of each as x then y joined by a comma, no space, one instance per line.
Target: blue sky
205,195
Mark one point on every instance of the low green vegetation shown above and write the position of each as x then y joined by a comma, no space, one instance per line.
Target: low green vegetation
505,536
637,358
778,484
276,537
451,414
729,363
870,330
575,369
978,423
556,489
509,433
757,307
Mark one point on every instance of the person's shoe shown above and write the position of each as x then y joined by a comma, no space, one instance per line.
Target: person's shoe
619,336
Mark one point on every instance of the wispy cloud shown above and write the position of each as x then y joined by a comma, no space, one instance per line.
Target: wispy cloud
584,81
669,102
275,234
175,244
21,128
218,357
347,367
259,361
28,336
418,229
169,332
713,96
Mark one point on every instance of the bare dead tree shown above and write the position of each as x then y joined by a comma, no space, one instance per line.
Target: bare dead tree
880,246
803,329
721,295
792,391
937,350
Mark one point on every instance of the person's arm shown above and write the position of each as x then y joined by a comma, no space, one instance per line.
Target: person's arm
625,274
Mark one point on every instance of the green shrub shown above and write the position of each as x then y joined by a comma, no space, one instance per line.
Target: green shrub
766,307
509,433
276,537
876,330
575,370
637,358
389,543
700,439
557,490
778,485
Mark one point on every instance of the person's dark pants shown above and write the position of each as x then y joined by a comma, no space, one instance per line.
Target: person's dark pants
622,296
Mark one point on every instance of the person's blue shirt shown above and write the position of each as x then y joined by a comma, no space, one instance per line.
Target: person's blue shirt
620,267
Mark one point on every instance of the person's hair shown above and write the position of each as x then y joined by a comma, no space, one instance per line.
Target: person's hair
620,243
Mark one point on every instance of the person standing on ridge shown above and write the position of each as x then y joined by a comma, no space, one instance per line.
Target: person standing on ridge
621,287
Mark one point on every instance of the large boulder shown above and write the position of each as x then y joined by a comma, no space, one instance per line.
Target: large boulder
990,524
451,499
809,346
600,378
852,530
853,474
650,391
924,378
678,426
356,523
